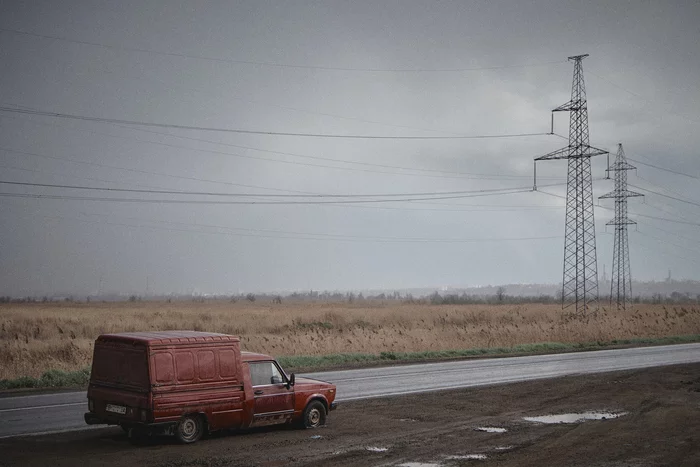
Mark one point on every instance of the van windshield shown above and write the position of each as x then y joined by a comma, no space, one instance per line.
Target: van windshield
121,365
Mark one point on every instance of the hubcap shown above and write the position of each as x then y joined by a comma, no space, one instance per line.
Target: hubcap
189,427
314,417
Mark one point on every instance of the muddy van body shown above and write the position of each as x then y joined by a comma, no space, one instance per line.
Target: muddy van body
189,383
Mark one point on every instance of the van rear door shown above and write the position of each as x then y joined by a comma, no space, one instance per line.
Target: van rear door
119,382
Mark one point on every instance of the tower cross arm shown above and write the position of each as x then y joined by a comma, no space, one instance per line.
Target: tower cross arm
571,106
562,153
621,222
621,194
621,165
569,152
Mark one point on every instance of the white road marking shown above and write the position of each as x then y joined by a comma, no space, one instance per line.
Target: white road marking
53,432
34,407
48,394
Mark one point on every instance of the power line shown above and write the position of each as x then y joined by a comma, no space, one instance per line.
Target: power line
473,207
666,196
694,240
666,211
148,172
183,201
665,219
56,174
280,234
162,83
276,195
664,241
666,189
452,174
639,96
501,207
665,169
253,132
338,236
271,64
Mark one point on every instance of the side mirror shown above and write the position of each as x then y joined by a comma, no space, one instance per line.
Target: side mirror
290,383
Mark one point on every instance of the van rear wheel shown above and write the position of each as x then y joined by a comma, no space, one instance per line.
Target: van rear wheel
314,415
189,429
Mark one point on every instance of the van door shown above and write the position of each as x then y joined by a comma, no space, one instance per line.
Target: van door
274,402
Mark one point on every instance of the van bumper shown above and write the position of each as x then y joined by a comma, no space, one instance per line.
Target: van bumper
93,419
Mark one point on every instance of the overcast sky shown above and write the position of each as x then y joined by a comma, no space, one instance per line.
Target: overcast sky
391,68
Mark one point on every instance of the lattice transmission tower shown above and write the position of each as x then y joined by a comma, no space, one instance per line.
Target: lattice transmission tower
580,281
621,280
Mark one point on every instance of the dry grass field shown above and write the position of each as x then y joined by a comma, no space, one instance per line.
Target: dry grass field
36,337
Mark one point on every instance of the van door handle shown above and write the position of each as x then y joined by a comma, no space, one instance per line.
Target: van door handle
258,392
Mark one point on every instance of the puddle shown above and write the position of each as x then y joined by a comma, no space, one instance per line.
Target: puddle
490,429
503,448
407,420
316,437
376,449
479,457
574,417
419,464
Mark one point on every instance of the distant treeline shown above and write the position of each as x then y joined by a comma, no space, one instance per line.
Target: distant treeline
500,296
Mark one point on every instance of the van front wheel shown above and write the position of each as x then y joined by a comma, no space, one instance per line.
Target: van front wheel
189,429
314,415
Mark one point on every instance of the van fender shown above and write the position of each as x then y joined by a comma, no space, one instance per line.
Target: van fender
313,397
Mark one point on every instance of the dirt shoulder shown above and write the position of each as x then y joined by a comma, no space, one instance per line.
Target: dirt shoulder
662,427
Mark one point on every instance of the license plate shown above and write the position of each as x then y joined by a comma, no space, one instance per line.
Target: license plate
120,409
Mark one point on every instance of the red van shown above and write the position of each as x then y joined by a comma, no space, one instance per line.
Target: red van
189,383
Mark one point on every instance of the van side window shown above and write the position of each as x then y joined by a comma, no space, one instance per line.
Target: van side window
264,373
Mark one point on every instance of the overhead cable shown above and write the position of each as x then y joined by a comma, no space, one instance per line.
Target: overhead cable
666,196
665,169
187,201
272,64
254,132
275,195
325,234
428,172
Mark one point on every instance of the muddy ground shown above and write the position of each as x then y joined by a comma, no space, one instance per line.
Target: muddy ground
662,427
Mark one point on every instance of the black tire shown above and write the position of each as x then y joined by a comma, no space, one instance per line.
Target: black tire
314,415
190,429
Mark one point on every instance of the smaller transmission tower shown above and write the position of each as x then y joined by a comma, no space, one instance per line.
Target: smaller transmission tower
621,279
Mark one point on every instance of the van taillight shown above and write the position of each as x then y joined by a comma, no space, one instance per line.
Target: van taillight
91,405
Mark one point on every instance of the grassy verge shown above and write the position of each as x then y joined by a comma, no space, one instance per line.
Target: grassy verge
50,379
80,378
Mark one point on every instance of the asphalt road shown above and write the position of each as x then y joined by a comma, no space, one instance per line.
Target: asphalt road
42,413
